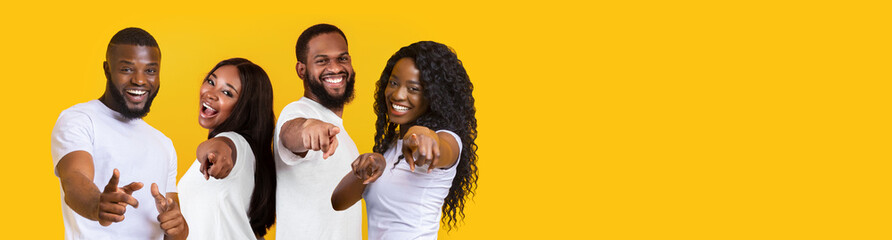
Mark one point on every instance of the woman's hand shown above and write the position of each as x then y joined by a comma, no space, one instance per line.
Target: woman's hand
368,167
421,146
217,157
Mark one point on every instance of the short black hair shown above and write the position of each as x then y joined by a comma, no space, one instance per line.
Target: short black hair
132,36
303,42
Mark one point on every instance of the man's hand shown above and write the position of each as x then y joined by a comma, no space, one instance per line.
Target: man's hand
420,147
368,167
113,200
216,157
311,134
172,221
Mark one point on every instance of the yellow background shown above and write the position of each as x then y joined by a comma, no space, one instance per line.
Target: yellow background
605,120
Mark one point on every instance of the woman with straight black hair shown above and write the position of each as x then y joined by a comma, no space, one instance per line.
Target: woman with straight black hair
229,192
424,164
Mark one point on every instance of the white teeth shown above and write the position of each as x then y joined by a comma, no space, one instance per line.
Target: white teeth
136,92
208,106
333,80
399,108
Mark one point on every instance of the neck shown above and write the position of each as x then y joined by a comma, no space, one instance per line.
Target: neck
107,99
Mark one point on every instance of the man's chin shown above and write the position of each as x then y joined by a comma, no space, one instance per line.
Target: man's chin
135,111
336,95
136,107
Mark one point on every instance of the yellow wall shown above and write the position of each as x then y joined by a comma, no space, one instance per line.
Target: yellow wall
613,120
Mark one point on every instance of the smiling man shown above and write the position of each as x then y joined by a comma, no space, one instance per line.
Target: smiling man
97,144
312,148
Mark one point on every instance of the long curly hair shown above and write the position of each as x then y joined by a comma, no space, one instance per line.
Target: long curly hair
448,89
253,118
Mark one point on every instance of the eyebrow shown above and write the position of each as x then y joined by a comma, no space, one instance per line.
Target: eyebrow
323,55
131,63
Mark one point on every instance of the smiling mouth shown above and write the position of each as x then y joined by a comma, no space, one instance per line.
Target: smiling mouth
135,96
334,79
135,92
207,111
399,109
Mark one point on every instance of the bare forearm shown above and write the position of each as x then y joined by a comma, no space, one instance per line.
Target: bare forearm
76,177
215,145
448,147
289,135
348,192
81,195
448,150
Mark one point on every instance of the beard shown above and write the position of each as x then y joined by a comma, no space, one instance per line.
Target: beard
128,113
327,100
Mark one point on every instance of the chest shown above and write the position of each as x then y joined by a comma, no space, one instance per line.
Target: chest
137,151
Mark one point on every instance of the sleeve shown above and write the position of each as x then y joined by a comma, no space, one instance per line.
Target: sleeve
73,132
243,151
171,168
457,140
292,111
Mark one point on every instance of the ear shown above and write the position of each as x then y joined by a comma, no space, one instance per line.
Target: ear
106,69
301,68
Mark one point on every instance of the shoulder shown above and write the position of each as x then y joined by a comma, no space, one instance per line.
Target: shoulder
234,137
308,106
86,109
78,116
300,108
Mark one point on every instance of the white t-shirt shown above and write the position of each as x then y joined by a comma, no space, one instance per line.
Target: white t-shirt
402,204
141,154
305,185
218,208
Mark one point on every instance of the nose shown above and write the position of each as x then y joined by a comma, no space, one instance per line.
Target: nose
210,96
400,94
335,68
139,79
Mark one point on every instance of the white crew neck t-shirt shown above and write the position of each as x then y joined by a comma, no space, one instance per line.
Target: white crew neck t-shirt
402,204
141,154
218,208
305,185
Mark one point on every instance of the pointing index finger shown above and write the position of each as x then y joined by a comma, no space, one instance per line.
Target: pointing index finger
160,200
112,185
332,146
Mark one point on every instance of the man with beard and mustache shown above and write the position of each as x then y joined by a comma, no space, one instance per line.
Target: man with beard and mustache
312,148
97,144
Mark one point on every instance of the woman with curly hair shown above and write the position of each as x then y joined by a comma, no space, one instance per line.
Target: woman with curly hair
426,117
230,190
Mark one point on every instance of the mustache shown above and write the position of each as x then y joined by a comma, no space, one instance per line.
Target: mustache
342,72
